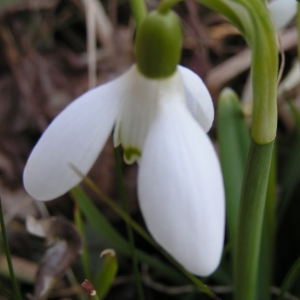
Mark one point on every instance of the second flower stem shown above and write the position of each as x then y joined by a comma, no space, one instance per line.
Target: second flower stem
128,226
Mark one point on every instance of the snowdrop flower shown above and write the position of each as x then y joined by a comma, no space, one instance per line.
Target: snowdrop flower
161,115
282,11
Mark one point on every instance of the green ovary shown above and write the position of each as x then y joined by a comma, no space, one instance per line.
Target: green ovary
158,44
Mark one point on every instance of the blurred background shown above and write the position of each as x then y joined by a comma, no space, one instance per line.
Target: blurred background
48,57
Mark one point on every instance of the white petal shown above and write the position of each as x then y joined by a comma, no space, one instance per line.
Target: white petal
198,98
181,191
140,108
74,138
282,12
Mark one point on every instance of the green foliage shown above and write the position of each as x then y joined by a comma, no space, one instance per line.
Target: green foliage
99,222
85,253
291,169
251,215
234,142
290,278
107,273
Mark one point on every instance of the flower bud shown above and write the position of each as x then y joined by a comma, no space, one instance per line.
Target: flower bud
158,44
88,288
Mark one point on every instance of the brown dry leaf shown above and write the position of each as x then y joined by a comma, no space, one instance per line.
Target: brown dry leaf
65,245
23,268
16,203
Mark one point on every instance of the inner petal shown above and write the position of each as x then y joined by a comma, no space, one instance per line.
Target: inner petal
140,108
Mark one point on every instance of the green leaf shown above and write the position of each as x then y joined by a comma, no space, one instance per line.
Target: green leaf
107,273
265,266
85,257
291,170
251,217
98,221
290,278
234,142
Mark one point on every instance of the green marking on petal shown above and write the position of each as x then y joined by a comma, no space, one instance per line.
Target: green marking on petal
131,154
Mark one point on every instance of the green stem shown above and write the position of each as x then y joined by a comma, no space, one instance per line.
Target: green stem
138,280
85,258
139,10
251,214
8,257
166,5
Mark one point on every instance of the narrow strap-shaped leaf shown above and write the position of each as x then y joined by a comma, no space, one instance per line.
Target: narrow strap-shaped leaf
99,222
94,216
265,266
291,172
85,257
107,273
234,142
289,278
251,220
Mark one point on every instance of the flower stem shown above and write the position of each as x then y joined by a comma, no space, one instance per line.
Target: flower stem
165,5
128,226
252,206
139,10
8,257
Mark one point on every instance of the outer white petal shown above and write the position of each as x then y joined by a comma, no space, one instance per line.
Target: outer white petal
74,138
140,108
181,191
282,12
198,98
